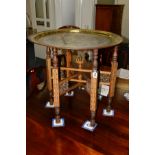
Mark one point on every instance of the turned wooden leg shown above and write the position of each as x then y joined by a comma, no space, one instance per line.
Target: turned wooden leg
56,86
49,74
114,65
57,112
92,121
93,90
51,97
68,61
79,60
108,108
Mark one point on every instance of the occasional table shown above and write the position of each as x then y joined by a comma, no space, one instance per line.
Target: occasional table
84,40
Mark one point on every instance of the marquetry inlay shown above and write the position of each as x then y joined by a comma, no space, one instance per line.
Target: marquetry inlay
93,93
56,87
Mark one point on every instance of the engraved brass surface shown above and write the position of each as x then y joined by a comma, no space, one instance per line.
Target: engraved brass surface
76,39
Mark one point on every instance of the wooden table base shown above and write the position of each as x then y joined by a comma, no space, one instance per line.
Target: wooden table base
54,83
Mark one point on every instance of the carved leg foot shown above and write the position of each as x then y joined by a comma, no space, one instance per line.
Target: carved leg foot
108,108
108,111
92,121
57,121
90,125
57,112
50,104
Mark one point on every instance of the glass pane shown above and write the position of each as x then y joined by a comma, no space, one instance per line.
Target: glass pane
41,23
47,9
39,9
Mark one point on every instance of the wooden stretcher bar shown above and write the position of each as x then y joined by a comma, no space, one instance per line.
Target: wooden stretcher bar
67,79
77,80
71,88
83,70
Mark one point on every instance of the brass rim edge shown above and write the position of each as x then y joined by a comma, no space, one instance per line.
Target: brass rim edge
116,39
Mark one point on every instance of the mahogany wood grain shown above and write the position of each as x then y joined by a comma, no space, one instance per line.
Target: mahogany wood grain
109,18
111,136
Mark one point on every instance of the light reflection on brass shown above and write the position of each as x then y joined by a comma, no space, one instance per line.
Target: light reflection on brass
114,38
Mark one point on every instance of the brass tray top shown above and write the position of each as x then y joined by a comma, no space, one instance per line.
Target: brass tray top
76,39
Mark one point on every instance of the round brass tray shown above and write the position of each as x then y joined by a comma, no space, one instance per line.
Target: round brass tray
76,39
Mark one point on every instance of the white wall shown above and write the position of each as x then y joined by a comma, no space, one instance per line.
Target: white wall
125,19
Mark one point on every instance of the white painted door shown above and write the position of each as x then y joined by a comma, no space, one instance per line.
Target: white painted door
50,14
42,13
